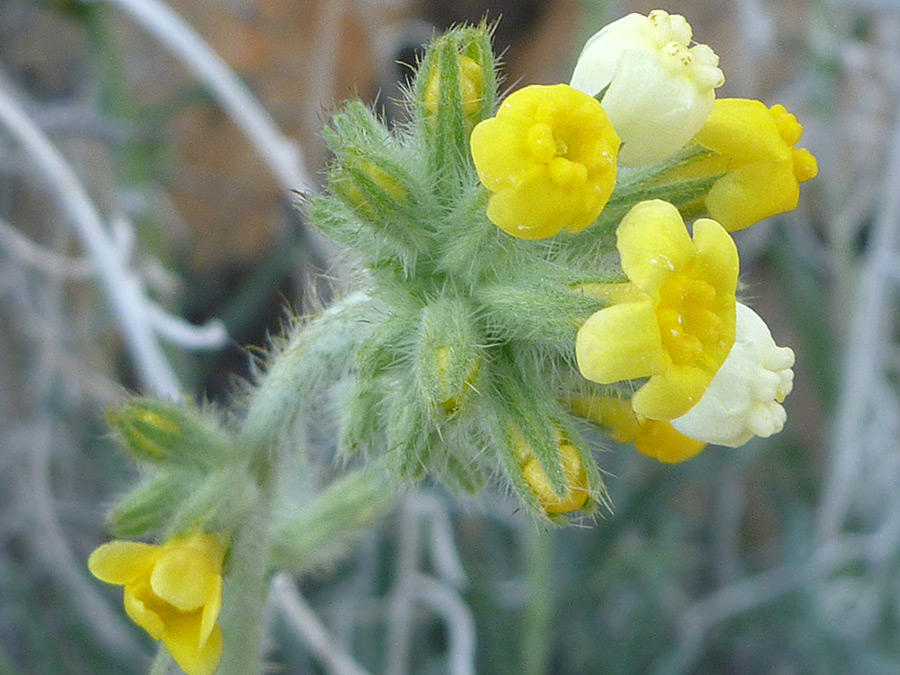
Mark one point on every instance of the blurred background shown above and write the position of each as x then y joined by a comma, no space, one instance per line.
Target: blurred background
147,151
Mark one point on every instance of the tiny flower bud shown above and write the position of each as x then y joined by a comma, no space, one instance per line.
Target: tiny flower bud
577,489
157,431
369,188
656,89
471,86
744,398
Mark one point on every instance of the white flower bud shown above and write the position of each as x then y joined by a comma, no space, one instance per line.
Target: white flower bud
744,399
659,91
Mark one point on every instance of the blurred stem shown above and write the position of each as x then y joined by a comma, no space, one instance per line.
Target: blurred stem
245,595
162,664
538,631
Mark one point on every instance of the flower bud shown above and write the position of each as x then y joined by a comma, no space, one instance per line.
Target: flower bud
656,89
471,88
157,431
577,489
744,398
369,188
447,359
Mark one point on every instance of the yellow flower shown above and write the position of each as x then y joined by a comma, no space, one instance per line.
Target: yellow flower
577,489
676,323
655,438
755,146
173,591
549,157
657,90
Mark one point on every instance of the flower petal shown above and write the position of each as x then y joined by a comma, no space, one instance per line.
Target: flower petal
211,612
661,441
753,192
121,562
653,242
743,129
672,393
621,342
139,608
182,639
184,577
717,256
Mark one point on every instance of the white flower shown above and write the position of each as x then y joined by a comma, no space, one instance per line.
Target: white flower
744,398
659,91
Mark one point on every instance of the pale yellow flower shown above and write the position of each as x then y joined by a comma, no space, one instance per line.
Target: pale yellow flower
656,88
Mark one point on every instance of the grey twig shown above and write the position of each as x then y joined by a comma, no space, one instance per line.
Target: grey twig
331,655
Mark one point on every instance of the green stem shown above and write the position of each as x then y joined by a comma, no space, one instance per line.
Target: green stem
246,590
538,629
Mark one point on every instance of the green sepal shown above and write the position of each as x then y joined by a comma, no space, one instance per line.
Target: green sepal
149,507
360,427
447,357
160,432
443,118
538,304
325,528
215,501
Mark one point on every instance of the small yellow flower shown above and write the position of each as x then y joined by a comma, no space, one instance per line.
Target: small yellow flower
676,324
577,489
755,149
549,157
655,438
173,591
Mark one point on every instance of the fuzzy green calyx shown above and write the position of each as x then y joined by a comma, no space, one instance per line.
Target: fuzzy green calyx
160,432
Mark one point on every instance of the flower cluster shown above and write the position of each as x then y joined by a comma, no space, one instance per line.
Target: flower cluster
558,256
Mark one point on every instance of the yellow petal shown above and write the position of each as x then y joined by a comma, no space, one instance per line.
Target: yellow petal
182,639
744,130
211,612
718,259
539,208
121,562
661,441
621,342
672,393
184,577
500,157
753,192
140,608
805,165
653,242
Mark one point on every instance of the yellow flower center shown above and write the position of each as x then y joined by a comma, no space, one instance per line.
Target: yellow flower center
687,318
